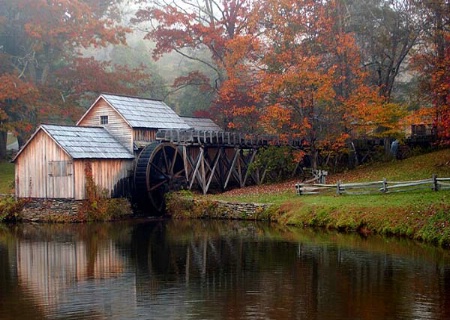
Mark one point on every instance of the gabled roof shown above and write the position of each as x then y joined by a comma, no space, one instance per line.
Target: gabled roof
201,124
84,142
143,113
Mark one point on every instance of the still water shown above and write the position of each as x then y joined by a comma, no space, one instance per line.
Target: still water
216,270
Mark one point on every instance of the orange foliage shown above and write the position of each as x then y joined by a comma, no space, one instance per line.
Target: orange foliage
41,79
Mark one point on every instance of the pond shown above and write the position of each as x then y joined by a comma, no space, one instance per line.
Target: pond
199,269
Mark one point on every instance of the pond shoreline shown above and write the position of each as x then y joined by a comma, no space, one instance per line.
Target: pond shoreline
430,224
427,224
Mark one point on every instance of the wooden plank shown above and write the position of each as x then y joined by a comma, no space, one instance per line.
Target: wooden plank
247,164
216,161
410,184
196,175
231,168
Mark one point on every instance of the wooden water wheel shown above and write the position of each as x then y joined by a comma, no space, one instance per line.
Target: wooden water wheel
159,169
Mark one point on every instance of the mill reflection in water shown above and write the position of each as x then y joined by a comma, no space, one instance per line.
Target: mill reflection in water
216,270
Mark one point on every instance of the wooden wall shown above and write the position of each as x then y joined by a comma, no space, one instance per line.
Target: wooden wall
116,124
44,170
106,174
144,135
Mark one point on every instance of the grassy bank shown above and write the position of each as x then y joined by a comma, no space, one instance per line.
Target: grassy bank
422,215
6,177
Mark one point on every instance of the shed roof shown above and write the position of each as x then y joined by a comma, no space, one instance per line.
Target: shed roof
145,113
201,124
84,142
88,142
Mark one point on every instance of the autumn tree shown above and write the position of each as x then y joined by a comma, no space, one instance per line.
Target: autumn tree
189,28
40,51
312,81
432,62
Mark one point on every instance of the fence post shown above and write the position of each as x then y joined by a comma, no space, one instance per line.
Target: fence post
385,188
298,186
338,187
435,183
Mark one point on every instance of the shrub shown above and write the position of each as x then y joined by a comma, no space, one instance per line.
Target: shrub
98,206
10,209
278,162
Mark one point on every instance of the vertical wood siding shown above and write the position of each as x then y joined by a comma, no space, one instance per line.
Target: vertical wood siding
106,174
33,178
116,124
144,135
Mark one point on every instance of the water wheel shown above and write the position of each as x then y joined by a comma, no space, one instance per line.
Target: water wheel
159,169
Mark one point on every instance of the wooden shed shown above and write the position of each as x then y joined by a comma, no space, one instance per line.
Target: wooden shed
53,161
133,121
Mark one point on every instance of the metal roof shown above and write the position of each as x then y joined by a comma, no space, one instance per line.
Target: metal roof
87,142
145,113
203,124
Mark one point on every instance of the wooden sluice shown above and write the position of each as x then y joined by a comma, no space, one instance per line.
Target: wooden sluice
208,160
220,159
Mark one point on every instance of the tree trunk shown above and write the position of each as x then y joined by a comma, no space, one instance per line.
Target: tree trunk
3,144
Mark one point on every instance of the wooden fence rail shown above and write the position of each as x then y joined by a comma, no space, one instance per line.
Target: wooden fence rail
384,186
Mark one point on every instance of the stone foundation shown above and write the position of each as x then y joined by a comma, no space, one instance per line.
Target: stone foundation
188,207
51,210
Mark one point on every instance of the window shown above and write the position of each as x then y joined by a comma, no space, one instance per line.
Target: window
103,119
60,168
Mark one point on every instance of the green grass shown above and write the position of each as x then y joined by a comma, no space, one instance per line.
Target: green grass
414,168
10,139
6,177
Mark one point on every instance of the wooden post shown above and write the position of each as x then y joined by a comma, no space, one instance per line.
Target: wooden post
435,183
385,188
298,186
338,187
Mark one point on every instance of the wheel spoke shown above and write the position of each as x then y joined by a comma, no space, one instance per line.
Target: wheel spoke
159,170
166,160
156,186
178,173
172,165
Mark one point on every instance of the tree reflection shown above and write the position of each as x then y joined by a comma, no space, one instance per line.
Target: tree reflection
218,269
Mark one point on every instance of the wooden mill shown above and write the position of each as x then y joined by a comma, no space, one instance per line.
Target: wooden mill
138,148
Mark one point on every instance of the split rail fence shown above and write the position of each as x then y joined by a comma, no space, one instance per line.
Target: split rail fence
383,186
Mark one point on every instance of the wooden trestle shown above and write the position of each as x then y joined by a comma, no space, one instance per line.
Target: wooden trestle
220,159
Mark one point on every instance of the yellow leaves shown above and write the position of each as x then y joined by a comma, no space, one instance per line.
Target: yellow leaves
424,115
366,112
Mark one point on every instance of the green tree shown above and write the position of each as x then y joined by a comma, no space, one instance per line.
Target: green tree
385,32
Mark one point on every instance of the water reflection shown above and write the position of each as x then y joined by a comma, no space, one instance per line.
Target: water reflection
216,270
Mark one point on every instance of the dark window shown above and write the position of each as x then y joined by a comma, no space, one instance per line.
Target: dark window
103,119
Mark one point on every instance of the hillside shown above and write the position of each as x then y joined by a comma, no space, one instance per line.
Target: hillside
418,167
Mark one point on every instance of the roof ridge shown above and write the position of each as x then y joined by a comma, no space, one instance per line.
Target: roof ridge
130,96
72,126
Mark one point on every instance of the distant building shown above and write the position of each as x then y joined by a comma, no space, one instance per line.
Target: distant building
133,121
201,124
